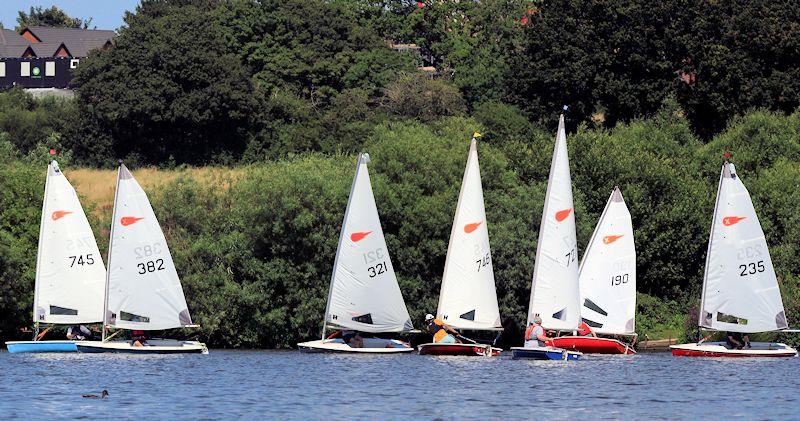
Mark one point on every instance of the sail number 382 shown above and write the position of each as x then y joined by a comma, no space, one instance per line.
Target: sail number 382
752,268
150,266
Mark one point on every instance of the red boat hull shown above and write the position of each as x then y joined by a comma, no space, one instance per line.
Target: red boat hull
468,350
592,345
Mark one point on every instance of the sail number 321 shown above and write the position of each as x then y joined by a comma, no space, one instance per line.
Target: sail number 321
376,267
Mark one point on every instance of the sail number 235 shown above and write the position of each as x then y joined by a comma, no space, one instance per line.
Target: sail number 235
751,268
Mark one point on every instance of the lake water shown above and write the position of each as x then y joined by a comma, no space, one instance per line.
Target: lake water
288,384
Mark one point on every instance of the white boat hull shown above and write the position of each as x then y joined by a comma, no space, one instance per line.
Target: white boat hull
156,346
371,346
718,349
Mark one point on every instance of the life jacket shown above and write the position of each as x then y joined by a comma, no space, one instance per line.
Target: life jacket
584,329
529,332
440,333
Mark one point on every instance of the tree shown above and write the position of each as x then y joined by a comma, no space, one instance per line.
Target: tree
168,90
53,16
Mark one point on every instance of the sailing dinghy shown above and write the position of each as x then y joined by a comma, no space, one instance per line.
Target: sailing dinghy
607,278
142,289
364,295
468,299
740,289
69,268
554,288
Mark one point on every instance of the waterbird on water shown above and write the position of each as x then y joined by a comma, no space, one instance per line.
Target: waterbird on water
101,396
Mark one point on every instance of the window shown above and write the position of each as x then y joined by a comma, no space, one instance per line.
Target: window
50,68
74,63
25,68
2,69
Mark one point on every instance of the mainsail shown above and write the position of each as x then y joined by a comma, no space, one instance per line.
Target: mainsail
468,299
143,290
554,289
740,290
69,269
364,294
608,271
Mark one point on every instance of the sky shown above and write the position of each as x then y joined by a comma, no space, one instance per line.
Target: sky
105,14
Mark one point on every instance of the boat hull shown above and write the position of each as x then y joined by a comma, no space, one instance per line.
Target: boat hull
592,345
468,350
545,353
371,346
154,347
718,349
15,347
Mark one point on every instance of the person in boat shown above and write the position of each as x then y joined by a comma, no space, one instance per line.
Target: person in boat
353,338
586,330
735,340
441,331
79,333
535,335
138,338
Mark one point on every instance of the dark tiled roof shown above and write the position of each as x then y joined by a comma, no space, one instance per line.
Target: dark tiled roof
77,41
68,35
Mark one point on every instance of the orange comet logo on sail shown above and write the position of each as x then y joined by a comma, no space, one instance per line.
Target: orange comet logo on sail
469,228
59,214
732,220
358,236
608,239
563,214
129,220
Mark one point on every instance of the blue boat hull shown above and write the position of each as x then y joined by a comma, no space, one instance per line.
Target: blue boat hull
15,347
544,353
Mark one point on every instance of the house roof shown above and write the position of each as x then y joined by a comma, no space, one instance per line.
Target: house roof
68,35
77,41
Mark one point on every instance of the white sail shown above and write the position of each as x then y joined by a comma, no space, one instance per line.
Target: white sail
554,290
608,271
143,289
740,290
364,294
69,270
468,299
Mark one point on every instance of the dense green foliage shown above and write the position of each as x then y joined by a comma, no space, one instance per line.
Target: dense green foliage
290,90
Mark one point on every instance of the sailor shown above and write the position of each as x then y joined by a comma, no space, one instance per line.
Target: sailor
441,331
534,334
353,338
138,338
735,340
78,333
585,330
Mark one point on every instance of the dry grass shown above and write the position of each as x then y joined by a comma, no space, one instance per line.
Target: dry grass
96,187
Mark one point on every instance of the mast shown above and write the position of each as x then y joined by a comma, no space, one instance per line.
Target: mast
110,244
725,169
361,157
39,253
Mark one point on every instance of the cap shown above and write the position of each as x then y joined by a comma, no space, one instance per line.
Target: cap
429,317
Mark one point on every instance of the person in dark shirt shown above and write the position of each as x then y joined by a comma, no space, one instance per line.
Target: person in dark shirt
735,340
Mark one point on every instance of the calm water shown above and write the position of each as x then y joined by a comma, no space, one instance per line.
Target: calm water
288,384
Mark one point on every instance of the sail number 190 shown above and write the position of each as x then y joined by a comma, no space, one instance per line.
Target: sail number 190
620,279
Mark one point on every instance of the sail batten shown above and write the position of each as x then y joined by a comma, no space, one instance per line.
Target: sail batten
554,287
364,294
69,268
143,290
608,271
468,299
740,288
